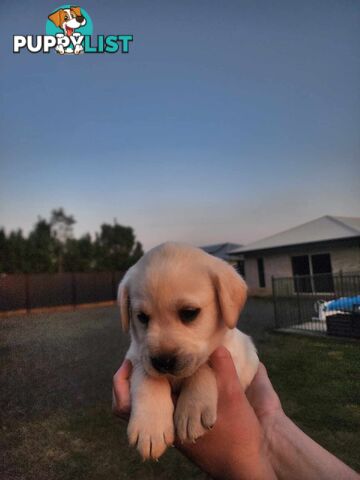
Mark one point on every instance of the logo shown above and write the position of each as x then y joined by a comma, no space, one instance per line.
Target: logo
69,32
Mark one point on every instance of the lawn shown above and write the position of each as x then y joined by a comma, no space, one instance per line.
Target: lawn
55,379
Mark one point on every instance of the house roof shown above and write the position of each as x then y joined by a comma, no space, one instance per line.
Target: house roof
221,250
321,229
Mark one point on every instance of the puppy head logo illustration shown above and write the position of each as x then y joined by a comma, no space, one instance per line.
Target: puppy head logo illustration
68,19
69,24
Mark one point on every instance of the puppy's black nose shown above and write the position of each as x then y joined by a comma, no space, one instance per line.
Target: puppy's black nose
80,18
164,363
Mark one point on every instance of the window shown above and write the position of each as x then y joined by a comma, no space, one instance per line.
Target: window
240,267
301,272
321,268
321,263
312,273
261,272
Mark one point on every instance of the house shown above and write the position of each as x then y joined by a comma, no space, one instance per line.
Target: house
325,245
221,250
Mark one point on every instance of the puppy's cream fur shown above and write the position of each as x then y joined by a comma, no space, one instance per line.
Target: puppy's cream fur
168,278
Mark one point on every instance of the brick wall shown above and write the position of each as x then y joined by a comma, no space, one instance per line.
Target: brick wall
345,259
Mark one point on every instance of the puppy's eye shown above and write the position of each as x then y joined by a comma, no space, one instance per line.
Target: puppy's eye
143,318
66,18
187,315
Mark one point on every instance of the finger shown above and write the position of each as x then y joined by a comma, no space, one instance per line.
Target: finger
261,393
226,377
123,412
121,388
261,383
122,376
124,372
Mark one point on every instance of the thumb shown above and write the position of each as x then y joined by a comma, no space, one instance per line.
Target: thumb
227,380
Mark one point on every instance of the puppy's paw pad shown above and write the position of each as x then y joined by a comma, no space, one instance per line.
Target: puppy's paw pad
150,438
191,423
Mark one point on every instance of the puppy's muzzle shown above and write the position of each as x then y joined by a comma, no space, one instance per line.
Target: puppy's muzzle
164,363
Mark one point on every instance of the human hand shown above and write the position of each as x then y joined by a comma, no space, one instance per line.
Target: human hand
263,398
121,404
236,446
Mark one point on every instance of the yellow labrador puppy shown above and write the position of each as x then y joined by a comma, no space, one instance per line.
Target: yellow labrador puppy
180,304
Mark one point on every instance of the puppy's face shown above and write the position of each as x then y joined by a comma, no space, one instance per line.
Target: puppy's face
68,19
179,302
174,320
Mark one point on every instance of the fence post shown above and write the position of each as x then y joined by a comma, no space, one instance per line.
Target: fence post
113,282
73,289
27,293
341,283
297,286
274,300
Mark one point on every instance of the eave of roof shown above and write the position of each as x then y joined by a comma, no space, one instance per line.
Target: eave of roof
349,231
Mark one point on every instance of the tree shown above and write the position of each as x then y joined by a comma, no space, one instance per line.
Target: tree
14,256
79,255
137,253
62,226
3,248
50,247
116,248
41,248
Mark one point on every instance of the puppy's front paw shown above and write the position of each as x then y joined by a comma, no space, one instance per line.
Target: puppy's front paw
78,49
194,415
151,431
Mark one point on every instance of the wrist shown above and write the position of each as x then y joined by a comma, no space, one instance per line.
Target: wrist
260,469
275,439
254,465
292,454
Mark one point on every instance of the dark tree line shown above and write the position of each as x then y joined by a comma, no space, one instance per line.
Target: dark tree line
51,247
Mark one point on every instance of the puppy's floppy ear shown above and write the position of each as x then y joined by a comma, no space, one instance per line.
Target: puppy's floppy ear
231,291
56,17
76,10
124,302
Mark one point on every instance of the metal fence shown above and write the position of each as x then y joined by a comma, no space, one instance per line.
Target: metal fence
325,303
38,290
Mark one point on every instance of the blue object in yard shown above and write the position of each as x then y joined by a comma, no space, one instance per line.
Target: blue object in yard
344,303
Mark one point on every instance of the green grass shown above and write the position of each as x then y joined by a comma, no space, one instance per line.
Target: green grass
318,383
82,444
55,376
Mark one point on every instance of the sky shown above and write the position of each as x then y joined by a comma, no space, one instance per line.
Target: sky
227,121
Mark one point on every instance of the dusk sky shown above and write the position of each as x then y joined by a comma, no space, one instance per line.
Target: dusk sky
227,121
